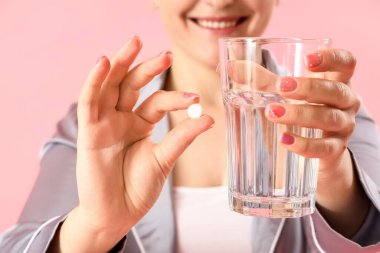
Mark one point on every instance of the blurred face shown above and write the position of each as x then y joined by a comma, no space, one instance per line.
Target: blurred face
196,25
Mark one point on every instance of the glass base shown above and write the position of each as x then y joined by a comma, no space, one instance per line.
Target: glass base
272,207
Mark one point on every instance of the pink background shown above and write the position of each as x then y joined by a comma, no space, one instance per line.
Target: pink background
48,47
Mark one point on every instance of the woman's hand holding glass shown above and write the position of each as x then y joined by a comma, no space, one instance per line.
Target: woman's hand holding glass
333,108
120,172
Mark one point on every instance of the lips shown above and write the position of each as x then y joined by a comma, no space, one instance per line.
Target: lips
218,23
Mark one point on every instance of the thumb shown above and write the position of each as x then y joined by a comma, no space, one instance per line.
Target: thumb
178,139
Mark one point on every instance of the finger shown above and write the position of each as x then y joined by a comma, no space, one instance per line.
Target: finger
88,102
154,108
312,148
178,139
312,116
120,65
140,76
250,76
322,91
340,63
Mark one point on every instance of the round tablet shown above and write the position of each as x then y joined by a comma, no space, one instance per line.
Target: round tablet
194,111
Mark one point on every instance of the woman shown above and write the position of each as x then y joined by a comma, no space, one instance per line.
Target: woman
105,178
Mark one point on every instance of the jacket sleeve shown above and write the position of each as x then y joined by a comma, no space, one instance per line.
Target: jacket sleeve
53,196
365,152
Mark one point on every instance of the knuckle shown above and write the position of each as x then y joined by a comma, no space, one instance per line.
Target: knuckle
351,125
149,73
335,55
351,59
357,103
326,148
307,148
299,112
146,70
339,146
332,147
156,97
344,57
334,118
342,91
117,60
346,97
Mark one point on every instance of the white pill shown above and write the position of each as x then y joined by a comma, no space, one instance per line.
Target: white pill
194,111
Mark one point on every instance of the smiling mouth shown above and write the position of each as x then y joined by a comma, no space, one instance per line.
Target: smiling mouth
218,23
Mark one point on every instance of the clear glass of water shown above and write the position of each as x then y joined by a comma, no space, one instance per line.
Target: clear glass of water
264,178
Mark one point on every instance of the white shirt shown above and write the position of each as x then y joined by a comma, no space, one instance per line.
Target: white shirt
205,224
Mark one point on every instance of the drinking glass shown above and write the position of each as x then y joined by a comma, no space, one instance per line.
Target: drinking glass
264,178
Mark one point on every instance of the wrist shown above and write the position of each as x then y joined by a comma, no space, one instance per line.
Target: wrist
79,233
334,178
339,194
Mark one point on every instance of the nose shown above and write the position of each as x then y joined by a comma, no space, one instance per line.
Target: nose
219,3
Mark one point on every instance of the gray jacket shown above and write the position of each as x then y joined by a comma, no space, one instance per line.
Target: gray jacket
55,194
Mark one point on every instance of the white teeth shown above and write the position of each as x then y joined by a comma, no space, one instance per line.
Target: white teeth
216,24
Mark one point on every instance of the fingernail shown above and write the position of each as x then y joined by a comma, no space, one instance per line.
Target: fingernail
190,95
275,111
287,84
135,37
217,68
287,139
99,59
314,60
165,53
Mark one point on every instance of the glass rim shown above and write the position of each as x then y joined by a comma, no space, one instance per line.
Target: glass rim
267,40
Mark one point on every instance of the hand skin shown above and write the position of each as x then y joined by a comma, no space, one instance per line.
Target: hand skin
340,197
115,155
111,168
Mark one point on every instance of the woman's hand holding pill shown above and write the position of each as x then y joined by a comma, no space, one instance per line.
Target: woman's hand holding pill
120,172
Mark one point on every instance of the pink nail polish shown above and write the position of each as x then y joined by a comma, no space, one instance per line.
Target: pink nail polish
288,84
190,95
99,59
275,111
165,53
135,41
287,139
135,37
314,60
